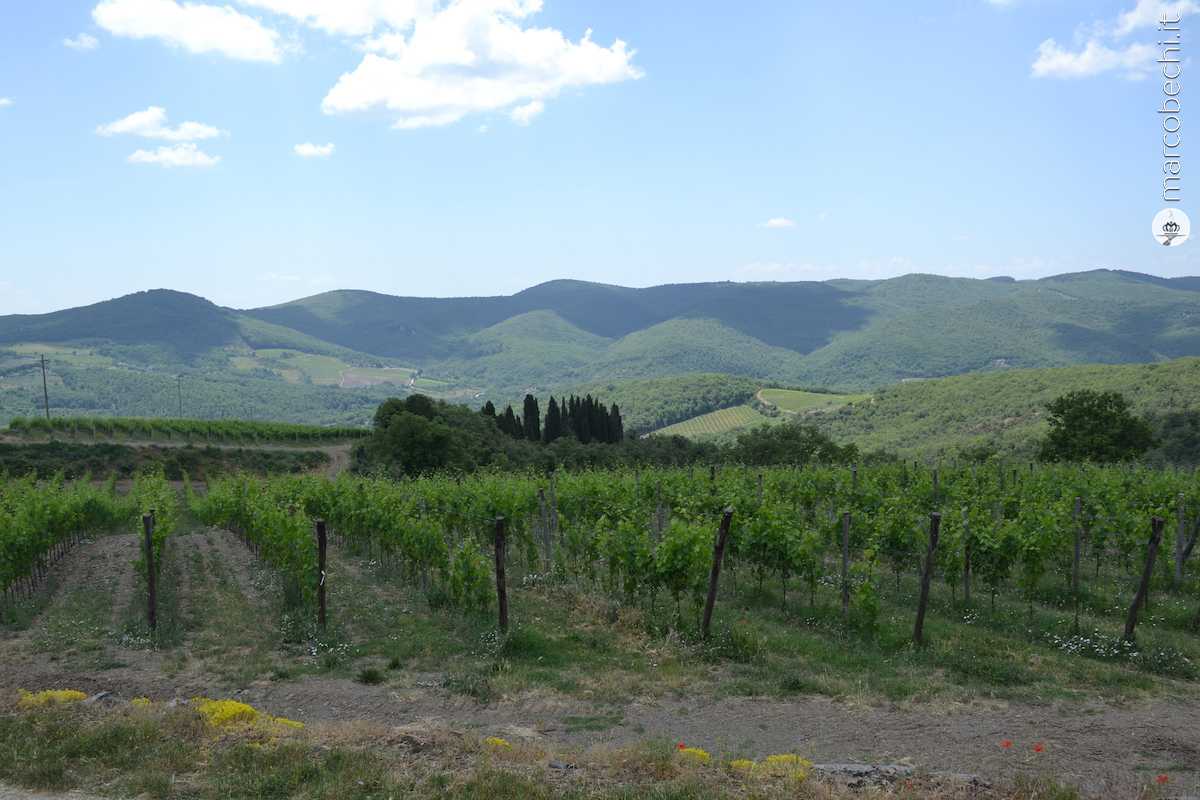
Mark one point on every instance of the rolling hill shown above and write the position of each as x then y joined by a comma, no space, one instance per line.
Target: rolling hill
1001,412
331,356
838,334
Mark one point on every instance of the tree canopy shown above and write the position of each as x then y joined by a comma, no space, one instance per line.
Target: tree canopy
1087,425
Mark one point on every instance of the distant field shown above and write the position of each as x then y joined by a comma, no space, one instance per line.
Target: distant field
77,356
800,402
368,376
716,423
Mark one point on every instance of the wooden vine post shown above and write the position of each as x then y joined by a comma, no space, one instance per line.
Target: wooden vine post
935,524
151,578
501,586
715,574
1180,536
544,531
1156,530
845,565
1077,516
966,518
321,552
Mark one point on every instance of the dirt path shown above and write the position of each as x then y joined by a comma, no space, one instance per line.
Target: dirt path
1099,746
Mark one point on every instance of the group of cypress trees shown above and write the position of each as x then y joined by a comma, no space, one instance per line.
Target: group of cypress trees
585,418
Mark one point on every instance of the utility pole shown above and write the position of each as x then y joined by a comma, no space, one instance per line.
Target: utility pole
45,390
179,384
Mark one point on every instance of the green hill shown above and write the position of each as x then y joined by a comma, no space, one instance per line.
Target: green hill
1000,411
848,336
838,334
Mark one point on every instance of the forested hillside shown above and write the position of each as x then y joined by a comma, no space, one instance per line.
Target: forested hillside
331,357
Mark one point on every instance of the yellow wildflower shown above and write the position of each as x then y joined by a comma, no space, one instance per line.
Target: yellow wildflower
788,764
49,697
221,713
695,754
741,765
289,723
497,742
140,702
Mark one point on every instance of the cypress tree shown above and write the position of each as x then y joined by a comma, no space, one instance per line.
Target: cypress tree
533,419
511,423
553,427
488,410
573,417
585,419
616,425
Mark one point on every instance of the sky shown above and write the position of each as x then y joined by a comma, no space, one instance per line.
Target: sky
257,151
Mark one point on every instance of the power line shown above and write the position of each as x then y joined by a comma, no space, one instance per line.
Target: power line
45,389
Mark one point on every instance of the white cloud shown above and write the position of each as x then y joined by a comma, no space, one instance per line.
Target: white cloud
348,17
523,115
1097,48
779,223
310,150
1147,13
195,27
427,121
177,155
152,124
5,102
1054,61
465,57
82,42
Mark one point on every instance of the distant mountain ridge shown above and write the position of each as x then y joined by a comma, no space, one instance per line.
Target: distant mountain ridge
842,334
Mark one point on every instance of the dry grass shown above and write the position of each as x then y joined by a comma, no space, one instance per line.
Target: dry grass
165,752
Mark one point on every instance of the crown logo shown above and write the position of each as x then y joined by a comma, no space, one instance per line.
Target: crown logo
1170,226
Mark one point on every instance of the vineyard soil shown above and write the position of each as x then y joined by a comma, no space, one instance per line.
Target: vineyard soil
573,683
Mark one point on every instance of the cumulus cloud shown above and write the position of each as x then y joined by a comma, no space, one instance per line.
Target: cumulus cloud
310,150
348,17
779,222
82,42
5,102
195,27
428,62
178,155
523,115
1147,13
472,57
152,124
1055,61
1098,47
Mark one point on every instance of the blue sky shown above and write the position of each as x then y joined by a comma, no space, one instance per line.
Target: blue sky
484,146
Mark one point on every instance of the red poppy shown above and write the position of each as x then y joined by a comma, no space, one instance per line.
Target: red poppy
681,746
1007,743
1039,747
1161,779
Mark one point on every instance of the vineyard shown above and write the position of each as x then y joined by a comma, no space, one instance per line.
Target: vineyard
597,589
799,402
715,423
1063,543
40,521
184,430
